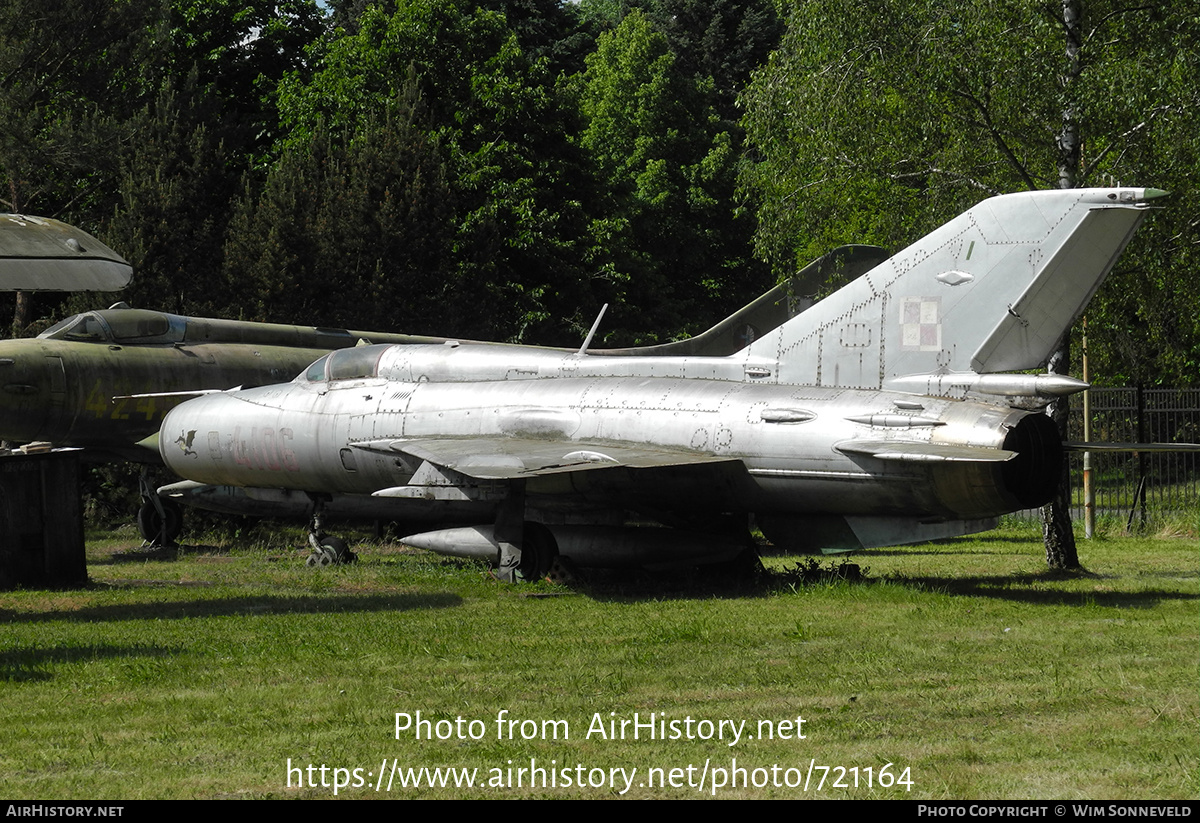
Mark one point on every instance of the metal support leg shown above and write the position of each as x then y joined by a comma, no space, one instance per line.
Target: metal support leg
510,530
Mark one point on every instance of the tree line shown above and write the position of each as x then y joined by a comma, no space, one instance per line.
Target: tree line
492,170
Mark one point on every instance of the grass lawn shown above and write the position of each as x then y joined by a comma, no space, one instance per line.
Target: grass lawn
964,665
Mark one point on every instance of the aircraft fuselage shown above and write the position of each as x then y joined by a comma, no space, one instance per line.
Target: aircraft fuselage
733,445
103,380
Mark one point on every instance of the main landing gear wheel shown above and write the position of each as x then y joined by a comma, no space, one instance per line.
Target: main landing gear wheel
160,529
538,552
563,572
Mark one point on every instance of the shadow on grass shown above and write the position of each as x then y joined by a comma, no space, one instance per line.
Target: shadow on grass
241,606
1005,544
1032,589
633,587
25,665
144,554
1046,588
739,579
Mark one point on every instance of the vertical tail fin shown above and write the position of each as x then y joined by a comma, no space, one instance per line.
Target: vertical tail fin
992,290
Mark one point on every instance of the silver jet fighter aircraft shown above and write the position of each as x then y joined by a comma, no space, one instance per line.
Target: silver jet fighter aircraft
884,414
730,335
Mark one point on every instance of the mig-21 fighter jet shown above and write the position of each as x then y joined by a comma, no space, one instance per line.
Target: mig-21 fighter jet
892,411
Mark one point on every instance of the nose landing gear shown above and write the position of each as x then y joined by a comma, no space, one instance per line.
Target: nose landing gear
159,520
327,550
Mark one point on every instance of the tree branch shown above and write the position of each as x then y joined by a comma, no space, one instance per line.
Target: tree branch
1091,167
996,137
1111,16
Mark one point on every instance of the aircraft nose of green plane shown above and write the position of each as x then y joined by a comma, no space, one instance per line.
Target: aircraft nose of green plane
26,380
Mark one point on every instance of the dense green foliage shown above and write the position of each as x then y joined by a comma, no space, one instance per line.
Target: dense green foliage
667,165
427,165
875,125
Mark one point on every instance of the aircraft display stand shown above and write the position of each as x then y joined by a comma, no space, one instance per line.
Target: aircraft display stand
41,521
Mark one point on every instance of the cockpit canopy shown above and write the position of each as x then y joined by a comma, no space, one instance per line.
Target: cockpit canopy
119,325
144,327
355,363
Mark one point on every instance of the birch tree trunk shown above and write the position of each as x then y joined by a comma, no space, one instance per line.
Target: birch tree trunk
1057,532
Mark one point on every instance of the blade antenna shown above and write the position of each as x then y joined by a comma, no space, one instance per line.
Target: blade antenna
588,340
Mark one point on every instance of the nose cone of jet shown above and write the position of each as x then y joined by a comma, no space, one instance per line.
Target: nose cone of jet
199,439
185,426
27,379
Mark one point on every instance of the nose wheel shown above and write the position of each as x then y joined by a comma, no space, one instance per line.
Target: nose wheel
327,550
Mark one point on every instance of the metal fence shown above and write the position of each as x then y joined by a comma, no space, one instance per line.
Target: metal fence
1138,489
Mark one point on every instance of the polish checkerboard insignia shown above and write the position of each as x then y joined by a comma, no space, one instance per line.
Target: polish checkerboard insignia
920,324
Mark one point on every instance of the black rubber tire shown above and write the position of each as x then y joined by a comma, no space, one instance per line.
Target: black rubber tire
538,551
341,551
150,524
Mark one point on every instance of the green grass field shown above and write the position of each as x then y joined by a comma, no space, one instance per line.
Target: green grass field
966,666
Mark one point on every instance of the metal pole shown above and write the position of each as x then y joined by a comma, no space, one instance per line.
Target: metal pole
1089,491
1141,456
